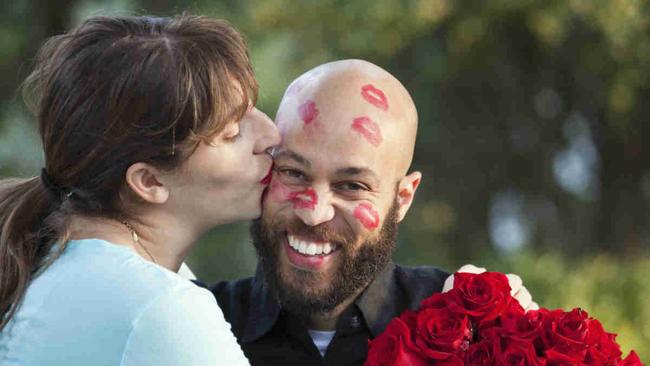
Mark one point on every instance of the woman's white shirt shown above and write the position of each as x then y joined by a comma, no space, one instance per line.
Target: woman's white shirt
102,304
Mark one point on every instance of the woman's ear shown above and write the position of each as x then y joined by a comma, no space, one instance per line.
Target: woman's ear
406,192
143,179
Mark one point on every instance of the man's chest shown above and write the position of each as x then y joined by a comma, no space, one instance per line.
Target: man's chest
298,349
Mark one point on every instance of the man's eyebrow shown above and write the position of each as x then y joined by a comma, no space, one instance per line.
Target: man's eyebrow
353,170
288,154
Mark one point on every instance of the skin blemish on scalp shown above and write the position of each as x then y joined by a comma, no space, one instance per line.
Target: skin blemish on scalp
306,199
369,129
367,215
308,111
294,88
374,96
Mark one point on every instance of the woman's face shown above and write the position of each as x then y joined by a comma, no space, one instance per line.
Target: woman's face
223,180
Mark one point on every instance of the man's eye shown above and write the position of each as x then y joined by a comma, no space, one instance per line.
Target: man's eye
292,173
352,186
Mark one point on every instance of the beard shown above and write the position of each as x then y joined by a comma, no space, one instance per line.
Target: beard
358,266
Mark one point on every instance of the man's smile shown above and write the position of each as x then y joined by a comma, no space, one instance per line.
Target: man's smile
309,255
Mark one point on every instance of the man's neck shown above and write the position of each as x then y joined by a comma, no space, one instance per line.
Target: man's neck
328,321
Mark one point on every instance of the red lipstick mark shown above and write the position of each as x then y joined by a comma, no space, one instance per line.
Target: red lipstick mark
304,199
367,215
267,179
308,111
374,96
368,129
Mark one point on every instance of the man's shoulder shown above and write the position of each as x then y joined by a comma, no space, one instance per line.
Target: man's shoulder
419,282
233,297
421,273
233,294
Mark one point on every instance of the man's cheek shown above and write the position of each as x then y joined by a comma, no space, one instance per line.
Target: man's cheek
277,192
366,214
299,199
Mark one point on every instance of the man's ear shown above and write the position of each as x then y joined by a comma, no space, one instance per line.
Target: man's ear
143,179
406,192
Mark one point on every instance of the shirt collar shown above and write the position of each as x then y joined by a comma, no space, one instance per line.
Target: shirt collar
379,303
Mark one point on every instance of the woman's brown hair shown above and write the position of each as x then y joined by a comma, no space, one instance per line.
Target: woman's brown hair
111,92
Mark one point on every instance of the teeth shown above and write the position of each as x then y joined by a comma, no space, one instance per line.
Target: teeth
309,248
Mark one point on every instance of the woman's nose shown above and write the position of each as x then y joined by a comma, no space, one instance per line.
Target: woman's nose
269,136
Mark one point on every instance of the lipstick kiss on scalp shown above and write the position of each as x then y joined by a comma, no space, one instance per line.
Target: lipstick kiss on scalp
304,199
308,111
374,96
368,129
367,215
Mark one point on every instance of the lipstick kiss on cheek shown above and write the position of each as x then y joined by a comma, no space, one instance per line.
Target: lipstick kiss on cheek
302,199
367,215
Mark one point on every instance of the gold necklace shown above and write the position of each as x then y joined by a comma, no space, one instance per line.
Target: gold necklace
136,239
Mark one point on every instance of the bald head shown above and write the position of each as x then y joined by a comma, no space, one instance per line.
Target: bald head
351,102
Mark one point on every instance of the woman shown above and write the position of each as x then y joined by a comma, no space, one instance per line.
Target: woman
150,139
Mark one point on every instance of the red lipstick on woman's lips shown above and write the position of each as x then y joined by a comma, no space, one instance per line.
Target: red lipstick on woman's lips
267,179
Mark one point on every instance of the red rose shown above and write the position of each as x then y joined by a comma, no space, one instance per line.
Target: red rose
596,358
441,333
566,332
451,361
573,327
514,322
602,343
483,353
631,360
564,355
394,347
516,351
481,296
435,301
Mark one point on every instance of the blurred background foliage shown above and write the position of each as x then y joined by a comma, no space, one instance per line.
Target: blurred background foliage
531,141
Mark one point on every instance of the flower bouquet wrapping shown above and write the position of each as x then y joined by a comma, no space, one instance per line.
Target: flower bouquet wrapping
478,322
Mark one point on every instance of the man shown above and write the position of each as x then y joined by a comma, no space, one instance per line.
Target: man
326,283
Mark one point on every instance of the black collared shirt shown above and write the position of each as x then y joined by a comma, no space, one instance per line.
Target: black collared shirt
270,336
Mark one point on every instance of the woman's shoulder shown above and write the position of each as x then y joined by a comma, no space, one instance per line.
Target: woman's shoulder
106,280
103,269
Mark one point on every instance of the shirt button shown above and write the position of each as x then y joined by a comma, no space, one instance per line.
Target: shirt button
354,322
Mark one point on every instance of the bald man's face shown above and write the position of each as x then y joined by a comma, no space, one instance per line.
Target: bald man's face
331,211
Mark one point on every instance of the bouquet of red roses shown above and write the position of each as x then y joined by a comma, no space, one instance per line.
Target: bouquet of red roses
478,322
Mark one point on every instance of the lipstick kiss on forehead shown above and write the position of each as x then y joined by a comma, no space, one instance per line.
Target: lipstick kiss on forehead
367,215
304,199
369,129
374,96
308,111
